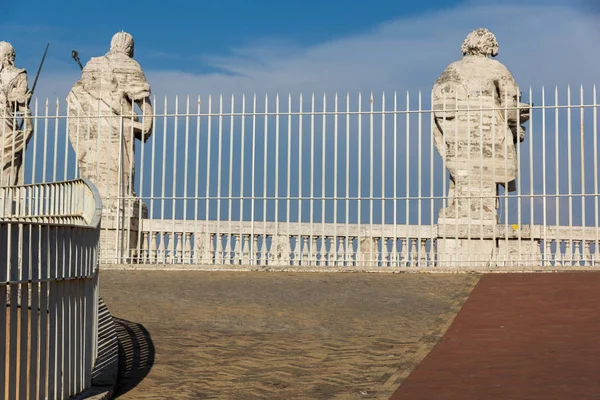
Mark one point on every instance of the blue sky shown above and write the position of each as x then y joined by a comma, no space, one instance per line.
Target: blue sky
182,31
242,46
268,47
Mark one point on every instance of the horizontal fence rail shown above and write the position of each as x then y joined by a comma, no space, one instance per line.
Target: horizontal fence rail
49,235
338,180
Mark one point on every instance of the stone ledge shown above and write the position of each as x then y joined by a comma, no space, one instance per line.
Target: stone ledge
391,270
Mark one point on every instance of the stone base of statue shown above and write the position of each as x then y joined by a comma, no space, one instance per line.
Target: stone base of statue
464,243
519,253
466,254
367,252
282,250
472,244
120,232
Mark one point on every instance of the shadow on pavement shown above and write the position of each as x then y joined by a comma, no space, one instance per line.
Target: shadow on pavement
136,354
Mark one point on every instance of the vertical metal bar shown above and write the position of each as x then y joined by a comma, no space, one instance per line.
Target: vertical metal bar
173,238
186,256
420,171
12,260
384,252
311,260
470,257
163,256
570,175
596,193
395,198
207,210
35,135
44,288
557,164
196,184
66,162
408,152
335,182
275,240
481,190
152,178
53,320
242,197
431,187
130,148
360,190
299,243
371,193
323,180
119,238
55,140
24,265
583,191
34,356
45,143
289,175
532,197
347,185
253,260
544,191
371,178
219,199
140,246
219,169
60,323
506,129
265,176
230,202
89,314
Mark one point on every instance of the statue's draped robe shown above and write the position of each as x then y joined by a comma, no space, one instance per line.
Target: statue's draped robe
100,107
14,96
477,126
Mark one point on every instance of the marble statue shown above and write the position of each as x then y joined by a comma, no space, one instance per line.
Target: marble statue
103,126
478,117
14,106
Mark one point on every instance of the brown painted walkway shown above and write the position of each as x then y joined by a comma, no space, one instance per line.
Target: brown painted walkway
518,336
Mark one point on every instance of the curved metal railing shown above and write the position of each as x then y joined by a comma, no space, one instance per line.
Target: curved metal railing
49,236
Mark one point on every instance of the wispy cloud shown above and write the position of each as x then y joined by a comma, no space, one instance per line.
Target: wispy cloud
541,43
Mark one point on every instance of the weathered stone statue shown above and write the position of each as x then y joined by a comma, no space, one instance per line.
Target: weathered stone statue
103,127
478,117
14,106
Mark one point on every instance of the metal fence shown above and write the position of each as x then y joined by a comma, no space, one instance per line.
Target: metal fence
49,235
336,180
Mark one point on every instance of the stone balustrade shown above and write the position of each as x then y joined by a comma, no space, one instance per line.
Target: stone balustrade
361,245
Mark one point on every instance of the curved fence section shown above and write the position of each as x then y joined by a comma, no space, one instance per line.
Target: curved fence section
49,236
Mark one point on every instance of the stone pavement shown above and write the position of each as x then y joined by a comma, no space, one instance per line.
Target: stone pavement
518,336
261,335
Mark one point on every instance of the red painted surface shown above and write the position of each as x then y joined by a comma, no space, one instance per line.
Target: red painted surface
518,336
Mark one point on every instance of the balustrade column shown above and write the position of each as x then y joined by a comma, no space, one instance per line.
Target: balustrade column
188,247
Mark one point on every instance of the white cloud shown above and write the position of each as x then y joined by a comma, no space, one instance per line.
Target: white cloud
541,44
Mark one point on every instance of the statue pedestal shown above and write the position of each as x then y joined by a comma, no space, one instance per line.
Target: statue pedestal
467,254
519,253
120,231
483,244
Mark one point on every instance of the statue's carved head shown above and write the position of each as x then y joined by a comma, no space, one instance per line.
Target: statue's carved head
122,42
7,54
480,42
